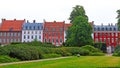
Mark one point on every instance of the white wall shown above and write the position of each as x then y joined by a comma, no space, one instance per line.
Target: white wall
39,33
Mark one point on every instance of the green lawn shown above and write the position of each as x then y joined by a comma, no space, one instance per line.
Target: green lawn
72,62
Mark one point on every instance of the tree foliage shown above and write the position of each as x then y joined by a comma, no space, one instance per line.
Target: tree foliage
118,17
77,11
79,33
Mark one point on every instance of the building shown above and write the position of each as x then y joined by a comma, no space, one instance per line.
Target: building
32,31
107,34
11,31
53,32
66,26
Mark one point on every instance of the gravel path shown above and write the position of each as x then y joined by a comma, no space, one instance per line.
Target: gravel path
2,64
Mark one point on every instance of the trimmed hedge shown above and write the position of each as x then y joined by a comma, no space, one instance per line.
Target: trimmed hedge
28,52
44,56
4,59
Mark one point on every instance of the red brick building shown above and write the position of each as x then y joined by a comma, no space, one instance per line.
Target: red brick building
11,31
65,29
53,32
107,34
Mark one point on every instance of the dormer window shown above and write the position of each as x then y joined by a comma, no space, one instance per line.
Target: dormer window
102,29
98,29
110,29
114,29
94,29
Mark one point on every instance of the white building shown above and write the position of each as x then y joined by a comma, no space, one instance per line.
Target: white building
32,31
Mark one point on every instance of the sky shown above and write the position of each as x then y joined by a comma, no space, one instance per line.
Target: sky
99,11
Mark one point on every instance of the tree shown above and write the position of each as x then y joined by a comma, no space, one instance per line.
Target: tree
77,11
79,33
118,17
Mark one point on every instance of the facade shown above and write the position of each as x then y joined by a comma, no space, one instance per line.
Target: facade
32,31
53,32
107,34
11,31
65,29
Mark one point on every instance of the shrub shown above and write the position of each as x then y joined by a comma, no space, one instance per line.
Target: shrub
50,55
97,54
101,46
117,51
4,59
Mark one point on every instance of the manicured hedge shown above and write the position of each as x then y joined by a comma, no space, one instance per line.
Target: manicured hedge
30,52
4,59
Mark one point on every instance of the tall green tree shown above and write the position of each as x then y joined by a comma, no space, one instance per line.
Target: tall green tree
77,11
79,33
118,17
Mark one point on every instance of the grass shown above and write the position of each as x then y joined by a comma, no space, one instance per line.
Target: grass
72,62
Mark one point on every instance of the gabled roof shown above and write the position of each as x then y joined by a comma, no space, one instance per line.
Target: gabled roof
11,25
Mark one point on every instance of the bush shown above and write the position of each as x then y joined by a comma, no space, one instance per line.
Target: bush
117,51
4,59
50,55
101,46
97,54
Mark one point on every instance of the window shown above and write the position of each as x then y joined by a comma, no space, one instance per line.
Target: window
24,32
35,36
52,34
11,34
35,32
0,34
106,29
53,29
49,40
32,37
30,27
61,29
7,40
60,33
98,29
40,32
114,29
34,27
56,40
32,32
24,37
15,34
8,34
5,34
0,40
18,40
39,37
45,40
102,29
52,40
28,32
18,34
38,27
26,27
4,40
110,29
28,37
61,40
94,29
56,34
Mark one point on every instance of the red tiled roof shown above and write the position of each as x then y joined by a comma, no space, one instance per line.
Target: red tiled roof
54,24
67,25
11,25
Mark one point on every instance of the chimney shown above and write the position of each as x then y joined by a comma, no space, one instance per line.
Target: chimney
3,19
27,21
15,19
54,21
33,21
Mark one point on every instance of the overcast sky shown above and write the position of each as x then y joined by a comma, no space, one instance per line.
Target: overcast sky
99,11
